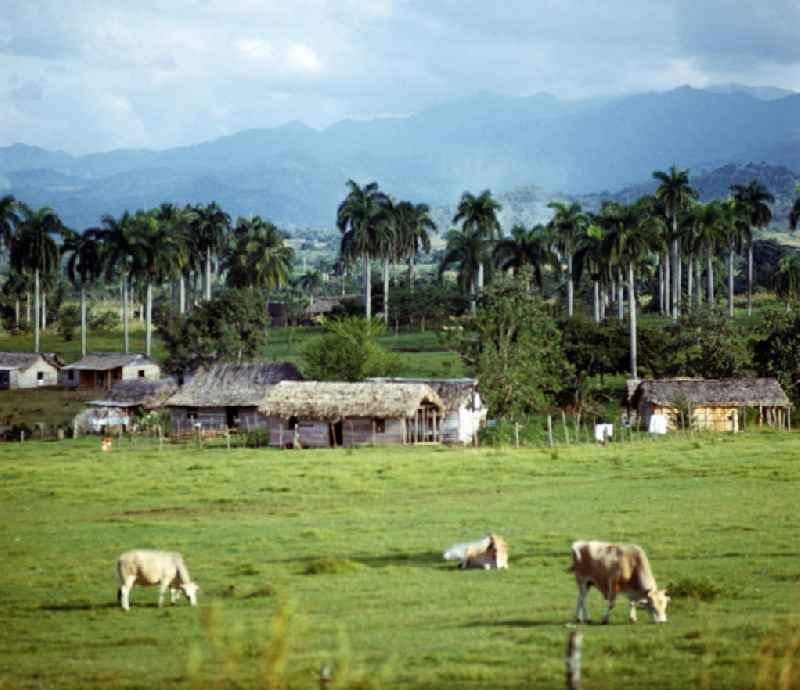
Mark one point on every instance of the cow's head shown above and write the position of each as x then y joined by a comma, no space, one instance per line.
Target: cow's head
190,589
656,602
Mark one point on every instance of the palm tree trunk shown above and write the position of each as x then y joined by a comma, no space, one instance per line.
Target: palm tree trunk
689,280
730,280
632,321
16,313
125,313
620,298
675,269
412,266
710,277
680,283
36,310
667,286
749,278
699,281
596,298
83,321
182,295
344,281
148,333
208,273
660,285
367,289
480,278
386,291
44,310
603,302
473,305
28,306
569,286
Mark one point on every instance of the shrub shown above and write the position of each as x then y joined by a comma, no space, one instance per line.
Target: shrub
104,322
69,318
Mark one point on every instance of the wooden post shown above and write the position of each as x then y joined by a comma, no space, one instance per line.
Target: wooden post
760,416
550,429
564,424
572,660
280,435
373,431
325,677
228,438
22,436
160,437
789,418
516,434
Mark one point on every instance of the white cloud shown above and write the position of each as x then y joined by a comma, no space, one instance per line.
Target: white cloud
255,48
303,59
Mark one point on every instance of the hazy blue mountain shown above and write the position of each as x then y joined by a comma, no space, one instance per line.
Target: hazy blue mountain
764,93
295,175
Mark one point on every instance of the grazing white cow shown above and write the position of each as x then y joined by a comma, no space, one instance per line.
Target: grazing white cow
490,552
148,568
614,569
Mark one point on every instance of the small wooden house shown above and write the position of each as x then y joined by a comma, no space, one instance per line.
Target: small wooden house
123,403
315,414
227,395
464,413
714,404
105,369
28,369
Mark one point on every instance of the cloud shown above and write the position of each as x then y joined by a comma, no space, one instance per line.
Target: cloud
303,59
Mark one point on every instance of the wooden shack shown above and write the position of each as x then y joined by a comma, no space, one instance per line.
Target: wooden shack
315,414
464,413
105,369
123,403
714,404
29,369
227,395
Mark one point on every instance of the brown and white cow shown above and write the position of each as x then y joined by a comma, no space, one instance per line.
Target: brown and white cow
615,569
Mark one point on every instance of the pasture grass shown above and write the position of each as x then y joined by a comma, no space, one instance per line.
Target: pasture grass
334,557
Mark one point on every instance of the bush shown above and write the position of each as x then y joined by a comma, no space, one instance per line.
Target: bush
16,431
69,318
104,322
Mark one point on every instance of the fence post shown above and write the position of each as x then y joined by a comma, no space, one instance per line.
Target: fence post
573,660
564,423
325,677
516,434
550,429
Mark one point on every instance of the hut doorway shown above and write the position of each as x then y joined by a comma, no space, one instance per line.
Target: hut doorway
231,417
335,435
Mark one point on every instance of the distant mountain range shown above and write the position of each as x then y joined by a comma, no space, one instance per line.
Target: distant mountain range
295,175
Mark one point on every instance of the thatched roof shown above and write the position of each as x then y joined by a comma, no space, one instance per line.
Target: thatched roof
104,361
453,392
235,385
722,392
147,393
25,360
325,305
333,401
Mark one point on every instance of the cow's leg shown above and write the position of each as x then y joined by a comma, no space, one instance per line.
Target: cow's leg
173,595
125,593
610,597
632,614
580,607
162,590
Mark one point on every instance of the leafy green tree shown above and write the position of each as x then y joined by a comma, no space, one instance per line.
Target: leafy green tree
69,318
705,344
753,200
478,217
360,218
593,349
776,350
9,219
348,351
786,279
514,347
231,327
675,193
35,251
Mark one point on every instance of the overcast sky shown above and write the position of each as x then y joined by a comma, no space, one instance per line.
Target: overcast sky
93,75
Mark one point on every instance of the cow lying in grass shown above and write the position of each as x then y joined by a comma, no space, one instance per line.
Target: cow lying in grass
614,569
148,568
488,553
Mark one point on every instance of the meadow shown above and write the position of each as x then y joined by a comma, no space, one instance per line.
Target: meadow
334,557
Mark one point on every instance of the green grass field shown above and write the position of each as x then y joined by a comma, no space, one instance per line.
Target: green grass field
311,557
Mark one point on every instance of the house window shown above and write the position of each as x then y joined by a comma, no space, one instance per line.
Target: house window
141,373
71,375
40,376
380,426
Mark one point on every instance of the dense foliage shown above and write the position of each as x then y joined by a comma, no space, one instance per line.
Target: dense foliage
348,351
229,328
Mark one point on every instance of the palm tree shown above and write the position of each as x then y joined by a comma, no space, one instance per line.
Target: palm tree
525,247
9,219
737,231
360,218
469,252
675,194
115,237
478,216
413,223
631,236
754,200
210,226
592,252
84,267
34,250
179,222
387,247
18,286
258,256
786,279
568,226
709,234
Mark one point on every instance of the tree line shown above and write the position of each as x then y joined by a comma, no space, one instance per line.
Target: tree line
168,245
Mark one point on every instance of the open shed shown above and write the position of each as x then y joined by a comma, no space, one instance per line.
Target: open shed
714,404
316,414
227,395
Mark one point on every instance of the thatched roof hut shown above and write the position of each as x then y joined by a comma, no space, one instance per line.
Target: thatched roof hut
334,401
454,393
714,403
139,393
237,385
